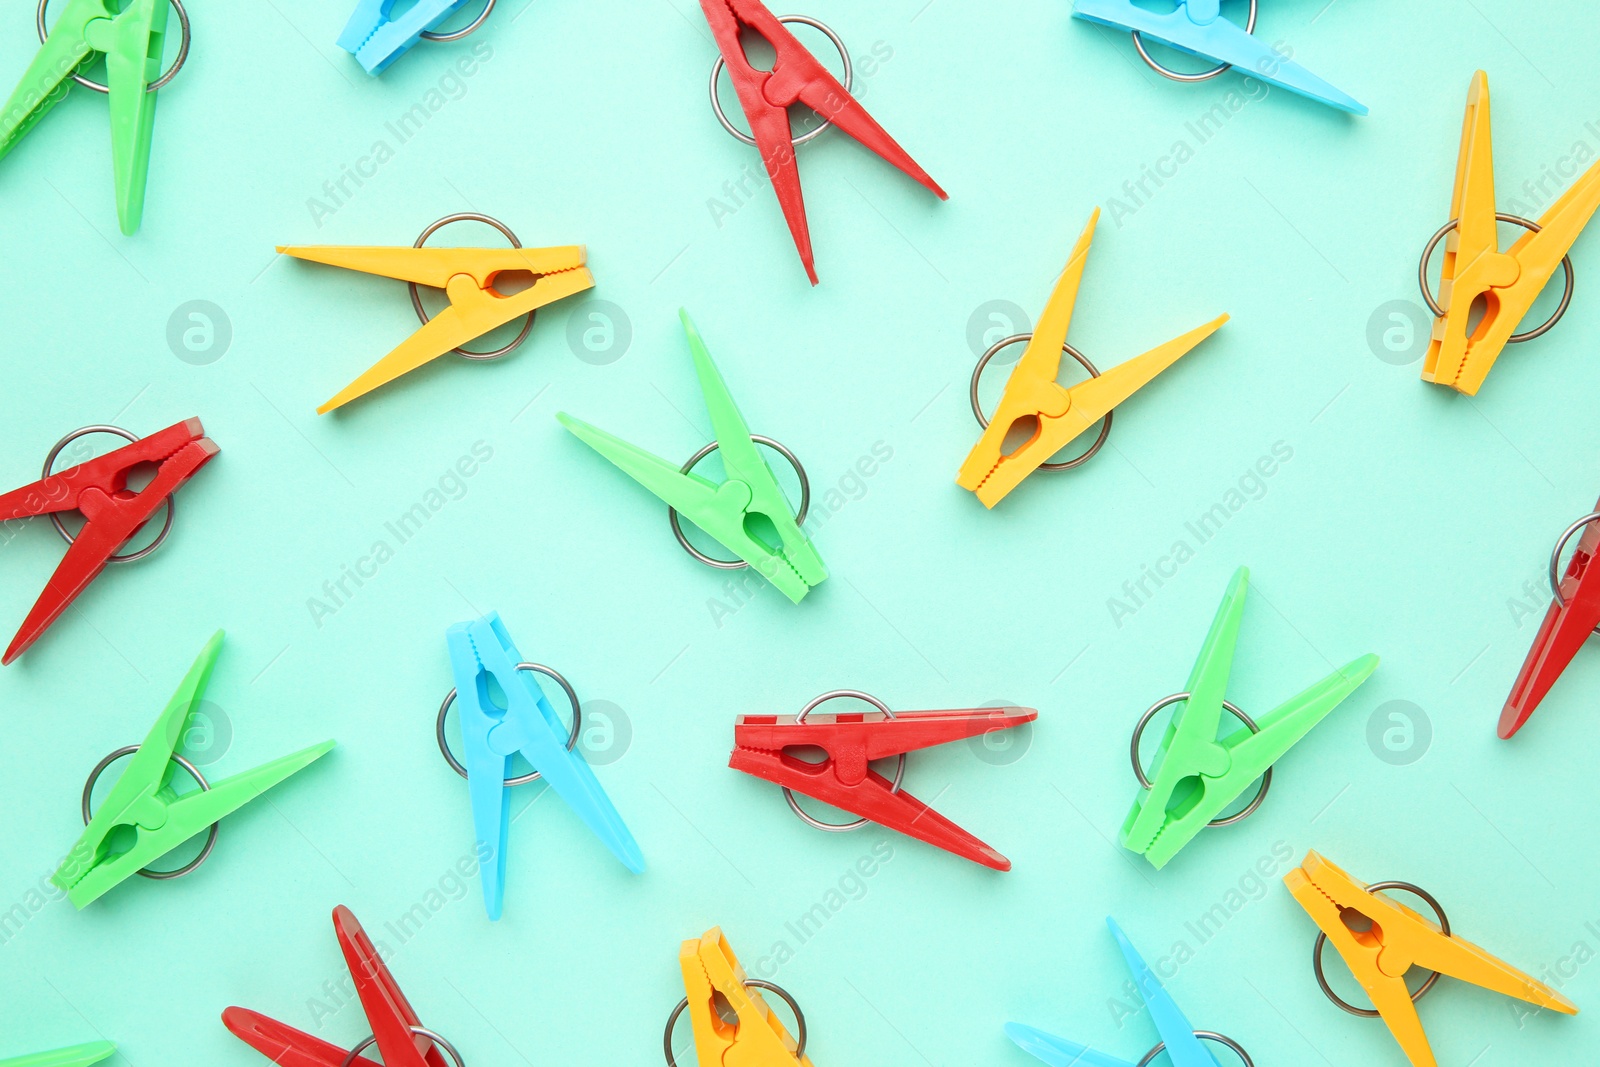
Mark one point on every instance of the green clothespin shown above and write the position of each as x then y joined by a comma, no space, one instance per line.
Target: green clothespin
1198,775
76,1056
145,801
131,40
722,510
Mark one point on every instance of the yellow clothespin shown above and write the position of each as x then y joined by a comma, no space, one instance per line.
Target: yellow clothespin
467,275
1461,351
1059,414
733,1026
1381,940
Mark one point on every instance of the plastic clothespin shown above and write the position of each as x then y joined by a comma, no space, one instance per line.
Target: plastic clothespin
1573,616
482,650
733,1025
377,40
1198,28
467,275
1200,775
1464,346
76,1056
721,510
113,513
795,77
1380,940
850,742
145,802
396,1029
1060,413
131,39
1178,1036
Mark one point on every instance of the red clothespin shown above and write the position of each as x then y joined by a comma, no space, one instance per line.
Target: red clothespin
401,1039
850,741
113,514
1573,616
796,77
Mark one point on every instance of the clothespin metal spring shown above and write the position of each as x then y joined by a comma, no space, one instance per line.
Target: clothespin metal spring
1198,76
1144,782
1204,1035
55,517
200,780
802,20
420,1031
1322,939
694,460
749,983
487,220
1083,361
894,785
172,71
1561,546
531,776
1526,224
456,35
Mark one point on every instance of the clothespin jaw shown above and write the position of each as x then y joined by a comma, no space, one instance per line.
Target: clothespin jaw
480,651
1059,414
376,40
1464,346
388,1012
753,1036
133,61
1196,27
145,801
1058,1051
743,462
794,566
131,40
283,1044
844,779
1383,939
796,77
1175,1029
392,1019
113,514
1570,620
467,275
76,1056
1198,776
1182,1043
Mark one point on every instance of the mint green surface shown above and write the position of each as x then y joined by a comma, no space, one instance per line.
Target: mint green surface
1377,513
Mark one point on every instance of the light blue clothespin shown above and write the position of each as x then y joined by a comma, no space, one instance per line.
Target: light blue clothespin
491,734
1197,27
376,40
1178,1036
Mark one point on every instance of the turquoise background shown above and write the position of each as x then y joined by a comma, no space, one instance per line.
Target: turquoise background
1409,521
